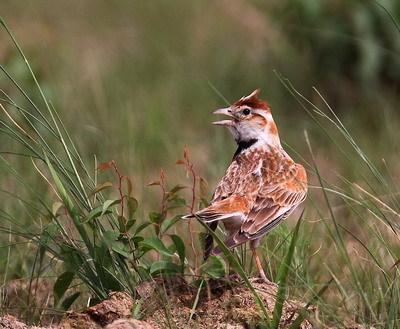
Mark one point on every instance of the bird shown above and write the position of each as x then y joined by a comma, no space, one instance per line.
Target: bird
262,185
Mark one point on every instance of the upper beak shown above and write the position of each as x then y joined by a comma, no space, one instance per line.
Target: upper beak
225,111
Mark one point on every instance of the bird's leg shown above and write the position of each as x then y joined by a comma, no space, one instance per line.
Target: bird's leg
253,246
258,264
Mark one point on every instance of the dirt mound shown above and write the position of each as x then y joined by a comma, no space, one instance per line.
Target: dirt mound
10,322
220,304
173,302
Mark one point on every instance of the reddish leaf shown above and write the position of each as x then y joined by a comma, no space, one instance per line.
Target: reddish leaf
101,187
105,165
180,162
154,183
177,188
129,185
395,264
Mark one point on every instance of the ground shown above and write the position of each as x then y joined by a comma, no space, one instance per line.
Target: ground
169,303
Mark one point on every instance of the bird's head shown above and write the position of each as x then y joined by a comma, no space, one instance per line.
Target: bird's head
250,120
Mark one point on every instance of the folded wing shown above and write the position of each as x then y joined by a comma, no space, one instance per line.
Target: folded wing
235,194
280,193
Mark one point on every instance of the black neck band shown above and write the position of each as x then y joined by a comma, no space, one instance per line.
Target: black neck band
242,145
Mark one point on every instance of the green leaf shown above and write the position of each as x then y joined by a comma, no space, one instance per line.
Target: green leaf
60,187
132,206
110,237
107,204
281,277
62,284
68,301
121,249
110,281
156,244
95,213
136,240
102,255
166,224
180,248
124,224
164,267
176,202
136,309
121,224
101,187
130,223
155,217
71,257
143,272
141,227
202,238
214,267
69,205
112,240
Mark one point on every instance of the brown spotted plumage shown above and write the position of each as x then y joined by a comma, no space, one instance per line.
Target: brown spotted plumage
262,185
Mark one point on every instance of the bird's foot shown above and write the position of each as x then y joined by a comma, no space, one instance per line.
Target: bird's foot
263,279
234,277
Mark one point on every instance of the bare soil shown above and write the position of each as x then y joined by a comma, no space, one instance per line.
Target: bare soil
173,303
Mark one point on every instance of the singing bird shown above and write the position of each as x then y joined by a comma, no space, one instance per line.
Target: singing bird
262,185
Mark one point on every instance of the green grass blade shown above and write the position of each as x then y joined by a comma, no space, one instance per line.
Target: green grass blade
69,206
282,278
196,301
303,312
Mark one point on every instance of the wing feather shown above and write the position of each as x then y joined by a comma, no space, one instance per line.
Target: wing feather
280,193
233,206
239,178
235,194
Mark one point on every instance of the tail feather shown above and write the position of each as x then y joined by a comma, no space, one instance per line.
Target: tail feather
209,217
230,243
208,240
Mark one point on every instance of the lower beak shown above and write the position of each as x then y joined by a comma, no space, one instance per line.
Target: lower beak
223,123
225,111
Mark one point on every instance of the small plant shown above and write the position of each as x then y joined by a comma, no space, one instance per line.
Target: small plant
96,237
92,232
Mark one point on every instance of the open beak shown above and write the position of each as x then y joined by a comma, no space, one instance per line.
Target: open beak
225,111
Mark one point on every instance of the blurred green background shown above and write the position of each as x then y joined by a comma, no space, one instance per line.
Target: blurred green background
132,79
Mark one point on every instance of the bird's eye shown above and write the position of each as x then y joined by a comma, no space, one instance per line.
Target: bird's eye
246,111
